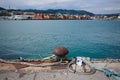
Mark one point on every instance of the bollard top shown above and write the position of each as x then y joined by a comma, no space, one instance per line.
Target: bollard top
60,51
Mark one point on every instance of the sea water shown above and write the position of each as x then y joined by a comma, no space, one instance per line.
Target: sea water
38,38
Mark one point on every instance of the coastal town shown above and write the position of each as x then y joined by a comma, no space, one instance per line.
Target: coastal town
29,15
17,15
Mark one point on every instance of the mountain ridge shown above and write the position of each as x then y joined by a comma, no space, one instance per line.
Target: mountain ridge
54,11
62,11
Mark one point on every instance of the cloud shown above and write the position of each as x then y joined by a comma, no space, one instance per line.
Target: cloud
112,8
42,2
31,2
95,6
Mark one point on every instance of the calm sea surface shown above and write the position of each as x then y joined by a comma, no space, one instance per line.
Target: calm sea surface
38,38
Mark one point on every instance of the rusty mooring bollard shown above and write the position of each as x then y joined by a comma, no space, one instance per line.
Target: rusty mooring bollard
60,51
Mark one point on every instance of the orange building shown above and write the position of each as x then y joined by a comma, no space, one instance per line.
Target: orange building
38,16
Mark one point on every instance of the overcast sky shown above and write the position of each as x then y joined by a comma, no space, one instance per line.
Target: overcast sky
95,6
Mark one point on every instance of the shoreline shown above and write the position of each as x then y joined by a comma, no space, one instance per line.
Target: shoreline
12,66
91,59
61,19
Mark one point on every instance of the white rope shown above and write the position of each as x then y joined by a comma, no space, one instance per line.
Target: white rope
30,64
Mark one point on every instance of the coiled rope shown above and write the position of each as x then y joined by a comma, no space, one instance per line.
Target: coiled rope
73,61
108,72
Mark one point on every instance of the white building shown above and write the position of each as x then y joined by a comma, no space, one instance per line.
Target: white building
119,17
21,17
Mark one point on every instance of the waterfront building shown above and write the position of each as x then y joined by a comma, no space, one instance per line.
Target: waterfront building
4,13
38,16
65,16
46,16
59,16
119,17
52,16
76,17
18,17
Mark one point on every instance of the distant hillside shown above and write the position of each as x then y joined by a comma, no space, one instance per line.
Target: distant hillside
2,8
54,11
62,11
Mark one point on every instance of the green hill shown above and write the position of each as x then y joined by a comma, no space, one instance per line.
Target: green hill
62,11
54,11
2,8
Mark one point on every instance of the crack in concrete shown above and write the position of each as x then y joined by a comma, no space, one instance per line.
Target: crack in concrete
34,78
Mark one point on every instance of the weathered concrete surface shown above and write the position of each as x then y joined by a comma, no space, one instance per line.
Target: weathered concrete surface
49,75
21,72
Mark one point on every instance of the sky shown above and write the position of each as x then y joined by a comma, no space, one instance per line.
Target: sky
94,6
